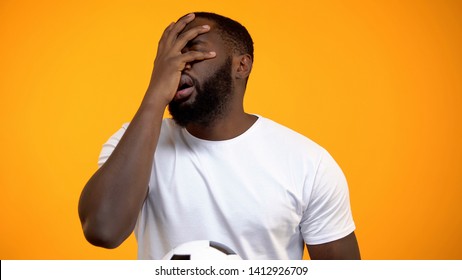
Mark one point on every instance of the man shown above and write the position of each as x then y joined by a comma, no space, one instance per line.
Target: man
214,172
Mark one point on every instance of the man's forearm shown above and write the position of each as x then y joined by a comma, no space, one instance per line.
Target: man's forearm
112,198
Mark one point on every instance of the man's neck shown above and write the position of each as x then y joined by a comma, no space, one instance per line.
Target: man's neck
224,128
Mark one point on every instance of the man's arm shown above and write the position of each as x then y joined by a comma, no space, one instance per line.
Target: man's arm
343,249
111,200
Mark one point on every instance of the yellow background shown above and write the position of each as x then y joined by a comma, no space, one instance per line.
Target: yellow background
377,83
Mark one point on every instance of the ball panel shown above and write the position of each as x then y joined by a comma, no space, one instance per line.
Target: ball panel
222,247
201,250
180,257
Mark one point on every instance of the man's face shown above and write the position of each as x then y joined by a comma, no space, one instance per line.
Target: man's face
210,81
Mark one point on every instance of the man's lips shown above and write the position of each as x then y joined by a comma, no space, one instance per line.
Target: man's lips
185,87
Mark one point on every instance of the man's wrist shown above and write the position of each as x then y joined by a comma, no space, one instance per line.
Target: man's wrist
156,97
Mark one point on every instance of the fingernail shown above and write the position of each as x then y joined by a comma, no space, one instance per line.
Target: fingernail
206,26
212,53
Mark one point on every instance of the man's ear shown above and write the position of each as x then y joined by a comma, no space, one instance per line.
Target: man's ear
244,66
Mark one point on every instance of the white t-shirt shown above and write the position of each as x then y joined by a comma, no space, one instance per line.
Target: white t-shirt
263,193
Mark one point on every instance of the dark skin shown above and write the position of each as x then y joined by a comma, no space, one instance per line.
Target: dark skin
342,249
112,199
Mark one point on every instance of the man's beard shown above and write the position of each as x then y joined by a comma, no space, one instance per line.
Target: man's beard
211,101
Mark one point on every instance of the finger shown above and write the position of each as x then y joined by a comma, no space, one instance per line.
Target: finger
169,28
166,32
189,35
179,26
191,56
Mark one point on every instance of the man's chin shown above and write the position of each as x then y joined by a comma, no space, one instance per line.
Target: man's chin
179,111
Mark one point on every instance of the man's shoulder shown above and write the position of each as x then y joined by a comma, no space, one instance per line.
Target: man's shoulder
288,136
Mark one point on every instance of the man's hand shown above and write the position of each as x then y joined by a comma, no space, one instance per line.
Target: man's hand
170,61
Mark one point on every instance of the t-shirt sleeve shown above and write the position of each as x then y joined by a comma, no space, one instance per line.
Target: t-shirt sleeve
110,145
328,214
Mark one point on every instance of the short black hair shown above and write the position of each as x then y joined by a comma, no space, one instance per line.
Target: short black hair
235,34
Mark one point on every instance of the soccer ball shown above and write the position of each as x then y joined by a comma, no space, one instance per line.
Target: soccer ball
201,250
